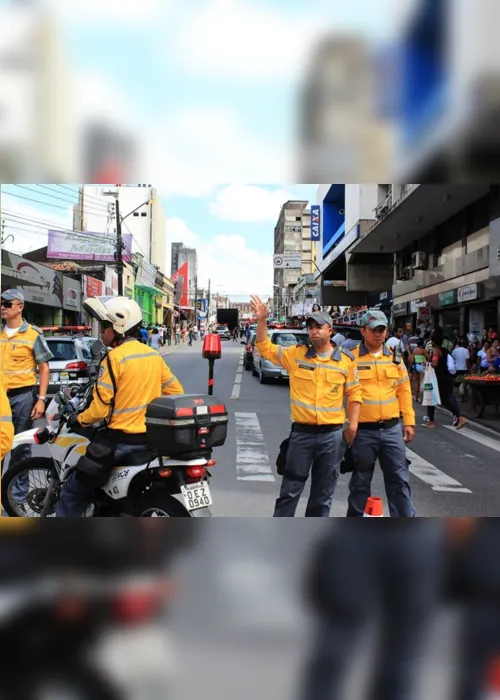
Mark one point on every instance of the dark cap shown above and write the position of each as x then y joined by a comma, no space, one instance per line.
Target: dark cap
321,318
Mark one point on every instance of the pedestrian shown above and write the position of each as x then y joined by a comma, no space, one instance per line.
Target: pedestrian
161,333
322,377
442,361
386,395
177,333
461,355
23,348
169,336
143,335
155,338
417,361
190,333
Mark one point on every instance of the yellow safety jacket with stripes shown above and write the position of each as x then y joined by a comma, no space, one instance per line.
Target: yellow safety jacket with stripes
20,354
386,387
6,425
141,376
318,386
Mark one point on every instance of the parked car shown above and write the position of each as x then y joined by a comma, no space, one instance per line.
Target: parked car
248,357
354,332
223,332
72,358
286,337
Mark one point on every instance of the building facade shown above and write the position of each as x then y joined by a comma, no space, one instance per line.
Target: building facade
182,255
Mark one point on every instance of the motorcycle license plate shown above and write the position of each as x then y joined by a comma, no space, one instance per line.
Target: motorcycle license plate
197,495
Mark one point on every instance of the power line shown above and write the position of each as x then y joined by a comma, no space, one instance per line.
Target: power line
63,199
45,225
103,205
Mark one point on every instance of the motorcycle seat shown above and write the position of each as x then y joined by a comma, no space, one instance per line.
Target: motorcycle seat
135,460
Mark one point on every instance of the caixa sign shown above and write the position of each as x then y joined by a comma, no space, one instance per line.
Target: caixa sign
469,293
315,223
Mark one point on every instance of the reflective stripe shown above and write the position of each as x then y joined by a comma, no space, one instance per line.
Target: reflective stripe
105,385
280,352
379,403
349,385
139,356
168,382
403,381
324,366
16,341
317,408
5,419
19,371
131,409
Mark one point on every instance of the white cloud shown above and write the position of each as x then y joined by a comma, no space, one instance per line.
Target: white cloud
227,261
242,40
249,203
116,13
30,224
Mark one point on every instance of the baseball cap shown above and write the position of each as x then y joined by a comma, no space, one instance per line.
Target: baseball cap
373,319
320,318
338,339
12,295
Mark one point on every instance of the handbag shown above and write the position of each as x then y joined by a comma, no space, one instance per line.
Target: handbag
452,367
431,395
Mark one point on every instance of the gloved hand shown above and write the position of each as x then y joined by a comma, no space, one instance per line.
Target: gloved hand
72,423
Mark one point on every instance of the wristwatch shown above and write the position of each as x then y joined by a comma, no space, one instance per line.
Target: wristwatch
41,398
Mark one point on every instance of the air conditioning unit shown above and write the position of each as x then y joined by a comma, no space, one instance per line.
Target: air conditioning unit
419,260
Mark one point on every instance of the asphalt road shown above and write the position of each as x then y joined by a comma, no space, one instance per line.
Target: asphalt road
453,473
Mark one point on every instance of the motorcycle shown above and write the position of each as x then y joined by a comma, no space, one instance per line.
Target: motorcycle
172,479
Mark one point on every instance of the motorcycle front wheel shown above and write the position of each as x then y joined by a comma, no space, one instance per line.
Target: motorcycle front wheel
25,486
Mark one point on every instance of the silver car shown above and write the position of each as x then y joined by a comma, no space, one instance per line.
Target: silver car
285,337
72,358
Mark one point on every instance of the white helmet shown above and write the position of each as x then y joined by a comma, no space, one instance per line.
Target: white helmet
123,313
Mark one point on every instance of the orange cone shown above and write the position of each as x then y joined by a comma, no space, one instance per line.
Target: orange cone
374,508
493,680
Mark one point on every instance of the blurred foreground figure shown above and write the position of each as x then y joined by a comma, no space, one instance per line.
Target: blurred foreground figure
82,609
394,572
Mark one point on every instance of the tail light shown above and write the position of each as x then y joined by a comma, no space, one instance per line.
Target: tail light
217,409
196,472
79,366
165,473
183,412
137,606
249,348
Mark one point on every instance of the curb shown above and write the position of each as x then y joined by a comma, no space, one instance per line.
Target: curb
474,422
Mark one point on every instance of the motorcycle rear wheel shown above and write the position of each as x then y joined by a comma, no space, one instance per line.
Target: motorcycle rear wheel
33,506
156,504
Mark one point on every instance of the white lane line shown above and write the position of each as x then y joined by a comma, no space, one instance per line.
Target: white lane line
438,480
252,461
477,437
235,394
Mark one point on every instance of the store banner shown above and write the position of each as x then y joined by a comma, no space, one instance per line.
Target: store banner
400,309
93,287
48,291
72,290
111,277
181,277
315,222
87,245
146,274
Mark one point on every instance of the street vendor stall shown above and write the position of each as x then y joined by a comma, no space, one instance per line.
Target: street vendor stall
483,390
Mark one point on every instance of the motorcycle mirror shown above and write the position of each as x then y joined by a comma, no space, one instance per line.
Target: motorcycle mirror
97,349
63,399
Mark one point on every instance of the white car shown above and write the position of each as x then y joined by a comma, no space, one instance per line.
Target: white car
223,332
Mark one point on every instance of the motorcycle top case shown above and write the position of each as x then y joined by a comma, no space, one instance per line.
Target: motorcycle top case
186,424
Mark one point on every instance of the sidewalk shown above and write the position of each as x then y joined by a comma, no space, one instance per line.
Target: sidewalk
166,350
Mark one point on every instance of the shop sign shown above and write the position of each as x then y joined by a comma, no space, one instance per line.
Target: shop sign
447,298
400,309
417,306
48,287
471,292
93,286
383,296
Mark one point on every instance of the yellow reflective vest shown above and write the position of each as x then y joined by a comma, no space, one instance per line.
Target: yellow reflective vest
20,354
141,376
318,387
6,425
386,387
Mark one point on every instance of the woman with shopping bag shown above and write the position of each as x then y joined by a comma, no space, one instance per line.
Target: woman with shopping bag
439,383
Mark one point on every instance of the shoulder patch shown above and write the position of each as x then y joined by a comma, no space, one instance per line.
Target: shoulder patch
35,328
101,371
348,353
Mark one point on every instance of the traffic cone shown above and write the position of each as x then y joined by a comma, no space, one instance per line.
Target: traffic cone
374,508
492,690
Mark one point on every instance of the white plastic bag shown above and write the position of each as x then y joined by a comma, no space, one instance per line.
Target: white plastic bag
452,367
431,395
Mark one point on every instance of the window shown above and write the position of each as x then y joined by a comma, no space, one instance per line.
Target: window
136,213
144,213
298,218
62,350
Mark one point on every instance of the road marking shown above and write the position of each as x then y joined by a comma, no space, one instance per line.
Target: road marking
235,394
477,437
472,423
438,480
252,460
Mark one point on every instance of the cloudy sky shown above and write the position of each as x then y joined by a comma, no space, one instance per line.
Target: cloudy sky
209,91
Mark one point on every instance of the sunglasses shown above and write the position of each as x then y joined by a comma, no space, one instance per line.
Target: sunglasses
9,304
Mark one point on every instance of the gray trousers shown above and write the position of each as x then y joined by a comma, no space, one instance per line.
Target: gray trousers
321,454
21,407
389,448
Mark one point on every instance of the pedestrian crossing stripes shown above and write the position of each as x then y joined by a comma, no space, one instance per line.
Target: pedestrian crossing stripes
252,460
428,473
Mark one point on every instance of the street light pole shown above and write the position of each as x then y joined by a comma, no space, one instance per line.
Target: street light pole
119,248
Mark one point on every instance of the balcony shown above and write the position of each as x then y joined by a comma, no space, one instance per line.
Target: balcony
465,265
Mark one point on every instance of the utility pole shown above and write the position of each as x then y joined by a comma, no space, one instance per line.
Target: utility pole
209,305
119,248
196,302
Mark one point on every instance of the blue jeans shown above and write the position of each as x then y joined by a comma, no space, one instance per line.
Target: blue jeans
21,407
389,448
321,454
75,496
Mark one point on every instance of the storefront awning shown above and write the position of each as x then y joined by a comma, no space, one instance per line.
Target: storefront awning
13,278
